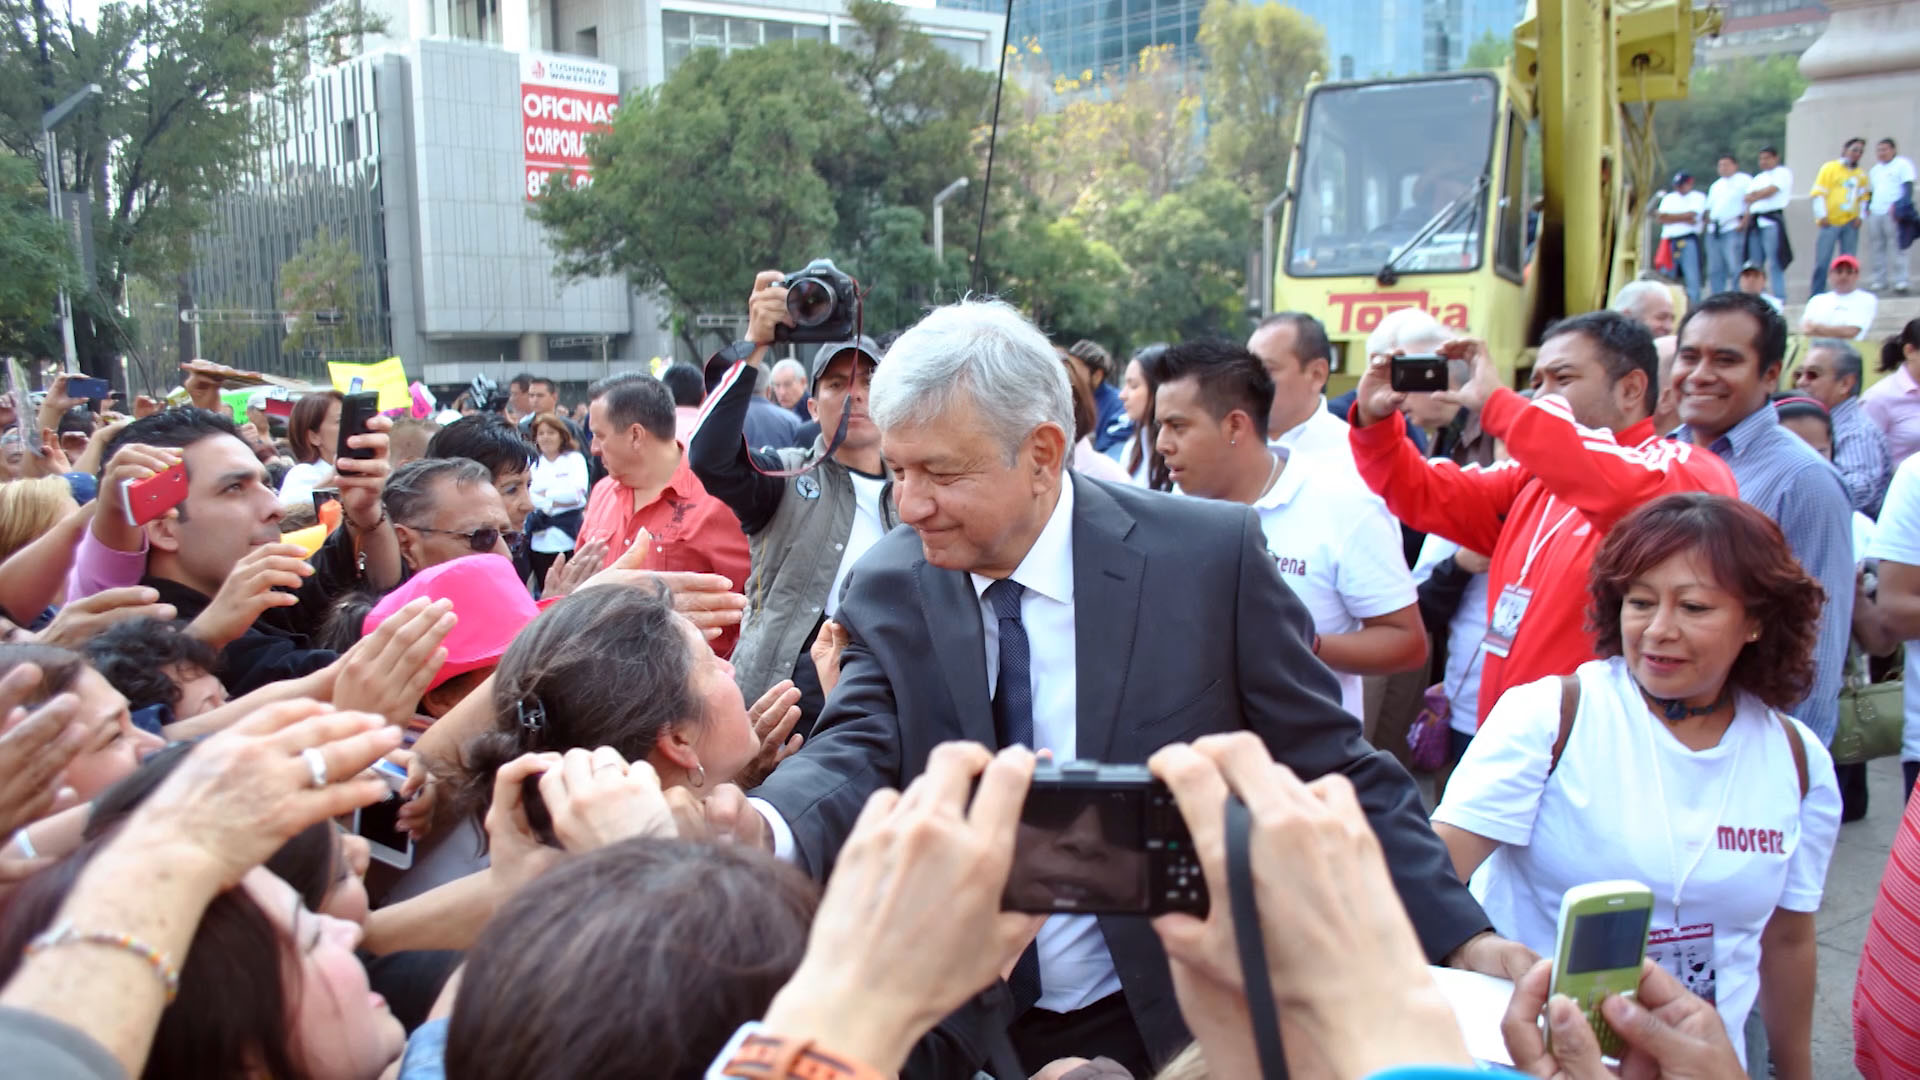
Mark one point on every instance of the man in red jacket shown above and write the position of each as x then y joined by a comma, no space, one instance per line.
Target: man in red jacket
1584,455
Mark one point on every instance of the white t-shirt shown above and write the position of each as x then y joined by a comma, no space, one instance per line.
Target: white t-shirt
1321,433
1464,636
1630,801
297,486
1887,179
865,533
557,486
1856,308
1896,538
1779,177
1674,202
1724,205
1337,548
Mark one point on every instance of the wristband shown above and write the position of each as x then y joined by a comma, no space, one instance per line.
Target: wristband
757,1053
163,966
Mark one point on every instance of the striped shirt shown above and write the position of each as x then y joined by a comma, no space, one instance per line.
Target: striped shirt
1784,478
1886,993
1860,453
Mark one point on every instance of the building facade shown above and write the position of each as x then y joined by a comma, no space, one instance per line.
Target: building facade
418,153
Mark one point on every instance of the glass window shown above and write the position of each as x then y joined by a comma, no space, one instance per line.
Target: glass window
676,25
1510,241
709,30
777,31
676,52
743,32
810,33
1387,165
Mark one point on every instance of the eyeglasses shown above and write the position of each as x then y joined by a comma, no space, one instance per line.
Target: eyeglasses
482,540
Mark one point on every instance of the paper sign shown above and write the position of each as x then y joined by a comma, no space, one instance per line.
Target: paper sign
388,378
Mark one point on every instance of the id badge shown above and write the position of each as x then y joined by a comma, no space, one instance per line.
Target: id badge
1508,609
1687,954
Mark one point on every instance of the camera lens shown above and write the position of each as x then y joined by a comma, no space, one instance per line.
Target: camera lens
810,302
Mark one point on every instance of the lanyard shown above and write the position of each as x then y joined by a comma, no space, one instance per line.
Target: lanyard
1666,815
1539,541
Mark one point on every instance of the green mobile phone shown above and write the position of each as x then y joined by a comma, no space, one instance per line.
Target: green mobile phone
1601,940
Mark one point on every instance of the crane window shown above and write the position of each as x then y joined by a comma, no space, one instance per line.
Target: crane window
1394,172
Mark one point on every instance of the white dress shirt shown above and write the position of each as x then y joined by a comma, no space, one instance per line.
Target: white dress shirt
1725,205
1076,969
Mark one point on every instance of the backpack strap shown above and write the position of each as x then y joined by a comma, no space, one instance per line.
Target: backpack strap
1569,705
1799,747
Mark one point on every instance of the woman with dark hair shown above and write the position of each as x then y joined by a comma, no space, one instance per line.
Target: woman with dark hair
559,487
687,941
1142,381
112,746
1087,460
1893,403
313,432
1667,761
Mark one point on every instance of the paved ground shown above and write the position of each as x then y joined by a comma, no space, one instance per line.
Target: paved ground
1853,882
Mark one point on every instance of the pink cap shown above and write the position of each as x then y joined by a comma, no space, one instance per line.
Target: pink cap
489,599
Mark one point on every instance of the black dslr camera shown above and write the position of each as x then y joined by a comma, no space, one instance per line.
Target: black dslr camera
824,304
1102,840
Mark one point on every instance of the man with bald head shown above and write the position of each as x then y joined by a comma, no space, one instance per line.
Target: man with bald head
1648,303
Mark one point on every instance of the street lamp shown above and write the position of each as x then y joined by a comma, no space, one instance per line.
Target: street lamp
940,218
51,119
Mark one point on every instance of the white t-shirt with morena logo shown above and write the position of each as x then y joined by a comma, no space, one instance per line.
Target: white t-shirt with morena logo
1629,801
1337,548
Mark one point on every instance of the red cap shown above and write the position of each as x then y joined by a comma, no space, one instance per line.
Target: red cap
1843,260
488,598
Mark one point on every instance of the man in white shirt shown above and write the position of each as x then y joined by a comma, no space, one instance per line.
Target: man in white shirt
1846,311
1890,178
1726,214
1766,198
1294,349
1682,212
1333,540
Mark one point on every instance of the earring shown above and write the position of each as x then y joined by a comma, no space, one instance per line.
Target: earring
1755,636
698,778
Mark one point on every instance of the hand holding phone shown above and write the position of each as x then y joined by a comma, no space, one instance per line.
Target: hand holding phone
149,498
379,824
1597,951
355,411
1418,373
88,389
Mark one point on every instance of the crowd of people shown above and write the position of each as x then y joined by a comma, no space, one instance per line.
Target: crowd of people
702,716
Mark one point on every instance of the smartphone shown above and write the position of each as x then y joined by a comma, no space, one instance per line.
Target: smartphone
279,403
355,411
155,495
1098,839
1418,373
379,824
88,389
321,497
1597,950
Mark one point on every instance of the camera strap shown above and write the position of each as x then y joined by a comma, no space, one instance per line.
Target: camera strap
1252,946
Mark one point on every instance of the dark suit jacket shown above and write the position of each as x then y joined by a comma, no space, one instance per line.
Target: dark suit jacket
1183,628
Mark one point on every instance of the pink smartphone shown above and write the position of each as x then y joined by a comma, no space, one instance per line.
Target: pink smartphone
149,498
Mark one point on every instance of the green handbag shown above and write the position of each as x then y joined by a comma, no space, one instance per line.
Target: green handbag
1872,715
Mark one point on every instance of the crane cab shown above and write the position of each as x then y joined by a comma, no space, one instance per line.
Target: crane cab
1411,193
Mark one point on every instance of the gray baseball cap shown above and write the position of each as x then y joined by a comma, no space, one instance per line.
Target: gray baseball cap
863,345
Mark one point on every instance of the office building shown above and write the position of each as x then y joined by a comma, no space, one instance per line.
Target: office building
420,152
1754,28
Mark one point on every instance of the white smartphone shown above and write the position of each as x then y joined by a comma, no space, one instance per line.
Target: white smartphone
1602,938
379,824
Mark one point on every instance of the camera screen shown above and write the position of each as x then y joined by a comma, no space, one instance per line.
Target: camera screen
380,823
1080,849
1608,941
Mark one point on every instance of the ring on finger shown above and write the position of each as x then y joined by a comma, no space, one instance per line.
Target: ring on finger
316,765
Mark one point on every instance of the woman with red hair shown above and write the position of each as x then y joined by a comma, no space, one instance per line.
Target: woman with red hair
1668,762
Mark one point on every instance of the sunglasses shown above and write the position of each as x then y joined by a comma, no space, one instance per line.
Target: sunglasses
482,540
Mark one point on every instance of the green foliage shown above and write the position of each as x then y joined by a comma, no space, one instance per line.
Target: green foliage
1736,107
1258,61
170,129
322,278
1187,254
1489,53
34,260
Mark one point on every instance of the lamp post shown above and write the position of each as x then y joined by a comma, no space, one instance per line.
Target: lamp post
940,218
51,119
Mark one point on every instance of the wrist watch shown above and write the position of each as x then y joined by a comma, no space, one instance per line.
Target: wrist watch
758,1053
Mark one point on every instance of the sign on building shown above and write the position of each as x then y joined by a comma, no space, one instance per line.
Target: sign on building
563,99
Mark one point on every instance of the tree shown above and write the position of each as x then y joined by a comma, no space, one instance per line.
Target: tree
171,128
321,283
1489,53
35,261
1186,255
1258,61
1733,108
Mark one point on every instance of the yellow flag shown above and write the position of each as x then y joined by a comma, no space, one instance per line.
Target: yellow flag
388,377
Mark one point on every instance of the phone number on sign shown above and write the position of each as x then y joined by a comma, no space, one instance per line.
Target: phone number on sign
538,178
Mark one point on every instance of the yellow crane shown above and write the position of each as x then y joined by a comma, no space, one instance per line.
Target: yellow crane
1423,192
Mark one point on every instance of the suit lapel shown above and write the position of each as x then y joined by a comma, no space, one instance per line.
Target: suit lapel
1106,613
952,611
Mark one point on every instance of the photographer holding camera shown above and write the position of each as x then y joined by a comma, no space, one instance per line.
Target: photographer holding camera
806,530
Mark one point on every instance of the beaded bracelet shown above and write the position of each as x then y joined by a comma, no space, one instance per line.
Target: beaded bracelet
64,934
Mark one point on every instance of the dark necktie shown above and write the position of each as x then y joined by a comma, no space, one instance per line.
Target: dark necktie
1013,723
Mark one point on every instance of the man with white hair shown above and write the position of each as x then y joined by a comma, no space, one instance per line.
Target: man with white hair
1031,605
1648,303
790,387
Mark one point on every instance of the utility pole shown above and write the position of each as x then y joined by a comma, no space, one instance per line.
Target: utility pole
50,120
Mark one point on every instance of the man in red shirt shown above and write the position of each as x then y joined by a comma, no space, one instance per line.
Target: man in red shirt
1584,455
650,486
